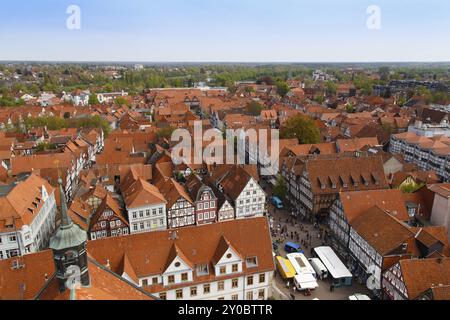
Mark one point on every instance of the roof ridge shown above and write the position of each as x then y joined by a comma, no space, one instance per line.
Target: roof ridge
102,267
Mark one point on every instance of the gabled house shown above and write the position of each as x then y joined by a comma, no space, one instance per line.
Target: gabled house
204,199
377,240
316,181
146,207
27,216
221,261
108,220
350,205
225,209
180,206
418,279
243,190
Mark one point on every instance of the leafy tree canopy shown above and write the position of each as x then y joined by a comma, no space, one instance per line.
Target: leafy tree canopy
254,108
280,188
302,128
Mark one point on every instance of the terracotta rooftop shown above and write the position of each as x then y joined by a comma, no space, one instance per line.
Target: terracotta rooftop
337,174
382,231
149,253
357,202
19,203
417,281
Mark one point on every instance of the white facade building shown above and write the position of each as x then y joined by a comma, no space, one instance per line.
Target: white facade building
28,217
147,218
146,207
251,201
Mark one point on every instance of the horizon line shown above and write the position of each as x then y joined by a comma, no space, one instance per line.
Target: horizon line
223,61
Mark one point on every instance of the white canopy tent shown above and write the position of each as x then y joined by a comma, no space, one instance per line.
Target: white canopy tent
305,281
335,266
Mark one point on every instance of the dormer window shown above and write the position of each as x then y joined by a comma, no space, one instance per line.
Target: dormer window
343,181
354,180
322,183
333,182
365,180
202,269
375,179
251,262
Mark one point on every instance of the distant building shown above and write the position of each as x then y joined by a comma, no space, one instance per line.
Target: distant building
427,153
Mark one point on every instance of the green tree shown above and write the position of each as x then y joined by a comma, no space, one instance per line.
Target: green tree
282,88
280,188
302,128
249,89
93,100
44,146
350,108
165,132
89,122
384,73
108,87
319,98
254,108
331,88
122,101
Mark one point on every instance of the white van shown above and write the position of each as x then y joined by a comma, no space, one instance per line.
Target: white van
321,271
305,282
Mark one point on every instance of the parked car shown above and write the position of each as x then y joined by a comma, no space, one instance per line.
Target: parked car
292,247
277,202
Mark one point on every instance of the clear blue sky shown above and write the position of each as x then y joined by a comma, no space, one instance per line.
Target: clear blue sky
225,30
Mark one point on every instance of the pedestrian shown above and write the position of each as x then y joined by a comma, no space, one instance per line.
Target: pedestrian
292,296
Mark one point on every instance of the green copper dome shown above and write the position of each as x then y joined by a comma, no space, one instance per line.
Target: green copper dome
69,235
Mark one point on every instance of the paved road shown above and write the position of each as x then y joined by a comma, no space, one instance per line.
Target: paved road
279,220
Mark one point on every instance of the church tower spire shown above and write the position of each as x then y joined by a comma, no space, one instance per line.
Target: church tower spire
69,250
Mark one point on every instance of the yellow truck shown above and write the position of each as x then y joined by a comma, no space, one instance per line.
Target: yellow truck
285,268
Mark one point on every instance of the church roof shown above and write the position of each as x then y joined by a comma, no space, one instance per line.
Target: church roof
69,234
